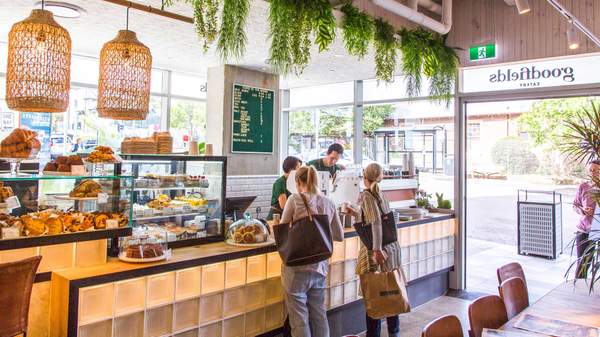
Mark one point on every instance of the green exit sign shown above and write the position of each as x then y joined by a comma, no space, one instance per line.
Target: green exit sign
485,52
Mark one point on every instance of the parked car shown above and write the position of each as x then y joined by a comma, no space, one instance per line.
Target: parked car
59,145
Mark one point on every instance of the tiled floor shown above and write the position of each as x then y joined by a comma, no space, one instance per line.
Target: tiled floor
412,324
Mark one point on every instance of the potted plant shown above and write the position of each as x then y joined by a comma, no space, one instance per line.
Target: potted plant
582,143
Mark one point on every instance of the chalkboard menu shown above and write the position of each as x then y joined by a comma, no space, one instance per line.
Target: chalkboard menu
252,122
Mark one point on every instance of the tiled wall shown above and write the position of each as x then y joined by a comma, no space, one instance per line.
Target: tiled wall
260,186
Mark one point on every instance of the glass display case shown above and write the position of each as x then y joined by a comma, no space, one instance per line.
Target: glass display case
38,210
147,243
248,231
184,195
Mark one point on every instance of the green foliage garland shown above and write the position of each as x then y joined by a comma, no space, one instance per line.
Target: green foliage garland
205,19
425,52
232,35
358,29
291,23
386,50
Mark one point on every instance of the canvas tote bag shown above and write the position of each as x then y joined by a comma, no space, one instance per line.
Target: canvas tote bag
388,230
304,241
384,293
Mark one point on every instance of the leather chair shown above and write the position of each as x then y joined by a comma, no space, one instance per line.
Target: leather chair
514,294
486,312
507,271
445,326
16,282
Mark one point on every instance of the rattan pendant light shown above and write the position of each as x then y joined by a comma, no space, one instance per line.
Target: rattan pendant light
124,81
39,64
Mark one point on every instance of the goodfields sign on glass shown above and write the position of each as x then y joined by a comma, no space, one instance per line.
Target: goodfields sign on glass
535,74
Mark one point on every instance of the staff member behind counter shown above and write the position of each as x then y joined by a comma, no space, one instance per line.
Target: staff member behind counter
329,162
280,192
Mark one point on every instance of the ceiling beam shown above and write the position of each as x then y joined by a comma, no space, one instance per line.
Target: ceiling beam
152,10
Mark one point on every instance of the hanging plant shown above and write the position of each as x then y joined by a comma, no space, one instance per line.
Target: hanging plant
232,35
291,23
324,22
426,53
385,51
358,29
205,19
444,65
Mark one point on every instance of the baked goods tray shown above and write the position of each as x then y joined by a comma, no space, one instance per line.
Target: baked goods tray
68,197
155,217
251,245
58,173
166,188
46,240
165,256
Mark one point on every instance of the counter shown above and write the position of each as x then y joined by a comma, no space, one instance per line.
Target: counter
221,290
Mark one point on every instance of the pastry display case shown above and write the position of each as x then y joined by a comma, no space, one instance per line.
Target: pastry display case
184,195
41,210
146,244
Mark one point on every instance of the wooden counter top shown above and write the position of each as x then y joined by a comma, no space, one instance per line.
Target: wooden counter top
115,270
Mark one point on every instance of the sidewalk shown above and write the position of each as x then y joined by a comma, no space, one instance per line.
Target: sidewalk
484,257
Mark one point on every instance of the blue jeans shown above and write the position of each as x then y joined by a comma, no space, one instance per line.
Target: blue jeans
305,301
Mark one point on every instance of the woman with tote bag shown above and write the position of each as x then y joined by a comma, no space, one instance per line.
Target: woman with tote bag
305,284
374,206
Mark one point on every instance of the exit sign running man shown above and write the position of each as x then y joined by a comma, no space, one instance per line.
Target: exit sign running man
477,53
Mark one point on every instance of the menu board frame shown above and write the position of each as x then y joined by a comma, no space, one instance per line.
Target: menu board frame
272,135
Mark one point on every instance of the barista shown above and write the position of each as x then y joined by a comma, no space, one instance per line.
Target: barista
280,192
329,162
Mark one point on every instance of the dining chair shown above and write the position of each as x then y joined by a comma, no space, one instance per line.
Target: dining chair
486,312
507,271
515,296
18,277
445,326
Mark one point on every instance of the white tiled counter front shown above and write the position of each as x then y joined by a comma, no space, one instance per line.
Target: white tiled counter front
218,290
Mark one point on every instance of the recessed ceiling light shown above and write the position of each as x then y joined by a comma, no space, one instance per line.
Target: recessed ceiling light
62,9
338,55
332,70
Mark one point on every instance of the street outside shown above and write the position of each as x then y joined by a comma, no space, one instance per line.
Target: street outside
492,229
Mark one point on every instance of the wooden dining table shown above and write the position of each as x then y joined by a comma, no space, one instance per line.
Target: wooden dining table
569,302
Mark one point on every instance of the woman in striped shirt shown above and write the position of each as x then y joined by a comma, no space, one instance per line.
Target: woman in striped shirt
373,203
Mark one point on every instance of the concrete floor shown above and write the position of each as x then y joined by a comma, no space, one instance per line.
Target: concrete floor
485,257
412,324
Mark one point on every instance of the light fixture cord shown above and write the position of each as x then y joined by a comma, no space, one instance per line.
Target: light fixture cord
127,20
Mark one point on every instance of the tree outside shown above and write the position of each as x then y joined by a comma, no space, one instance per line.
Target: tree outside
188,117
545,127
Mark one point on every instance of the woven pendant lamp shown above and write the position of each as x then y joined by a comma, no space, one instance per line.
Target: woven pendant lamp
39,65
124,81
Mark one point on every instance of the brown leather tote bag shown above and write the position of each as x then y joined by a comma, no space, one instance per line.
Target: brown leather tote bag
304,241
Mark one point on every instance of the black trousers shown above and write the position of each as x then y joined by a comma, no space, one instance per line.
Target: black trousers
581,240
374,326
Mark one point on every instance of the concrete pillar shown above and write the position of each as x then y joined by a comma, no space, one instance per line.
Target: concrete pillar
219,114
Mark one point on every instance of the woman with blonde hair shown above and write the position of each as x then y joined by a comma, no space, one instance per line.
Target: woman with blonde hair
373,205
305,285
